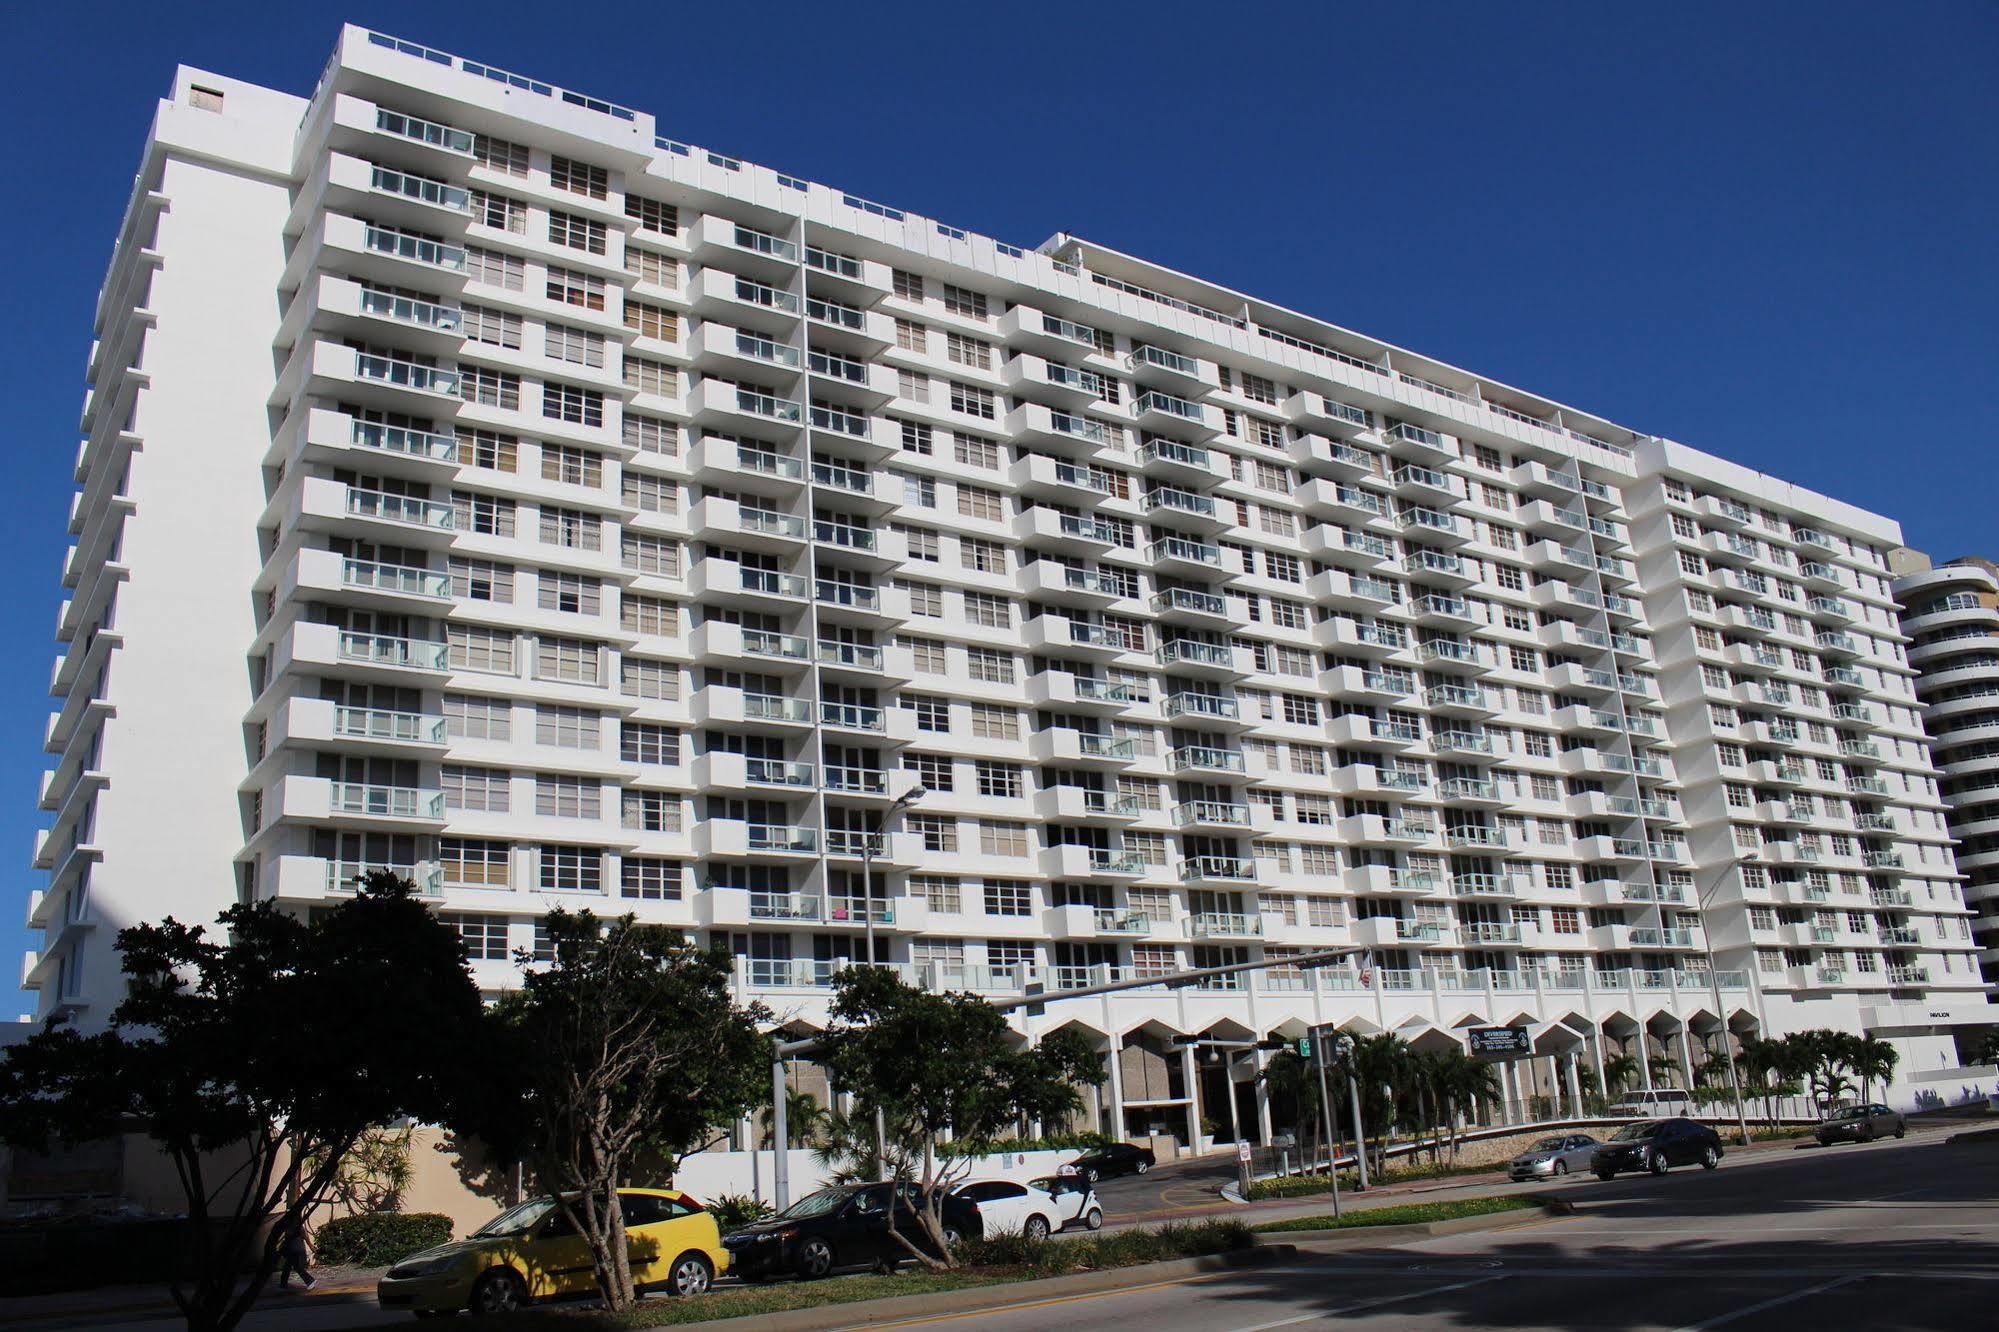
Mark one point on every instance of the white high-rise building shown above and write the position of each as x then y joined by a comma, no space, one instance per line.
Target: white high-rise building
477,484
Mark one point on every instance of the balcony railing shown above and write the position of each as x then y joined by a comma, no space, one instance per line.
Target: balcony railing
408,579
387,724
423,131
391,650
402,802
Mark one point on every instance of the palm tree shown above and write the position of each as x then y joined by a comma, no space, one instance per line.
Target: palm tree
804,1119
1380,1067
1465,1082
1290,1078
1665,1069
1618,1071
1872,1058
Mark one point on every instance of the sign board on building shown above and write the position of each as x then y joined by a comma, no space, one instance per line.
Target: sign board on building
1499,1042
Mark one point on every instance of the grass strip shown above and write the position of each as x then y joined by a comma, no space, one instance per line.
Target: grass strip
1407,1214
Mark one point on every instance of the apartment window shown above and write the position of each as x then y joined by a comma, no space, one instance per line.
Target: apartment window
912,337
649,434
650,494
649,266
566,728
926,600
1001,781
493,269
922,543
935,772
474,863
488,449
639,677
993,612
574,345
932,714
652,321
576,233
918,492
641,742
481,790
648,615
572,528
1258,389
660,218
979,502
929,654
496,328
574,659
571,466
909,286
645,375
1565,920
1301,710
968,351
1003,839
474,648
566,173
562,796
489,387
568,287
1006,897
938,892
484,937
572,869
970,304
649,554
982,556
939,833
569,402
500,154
468,717
499,212
993,722
915,437
649,879
972,400
973,451
650,811
481,580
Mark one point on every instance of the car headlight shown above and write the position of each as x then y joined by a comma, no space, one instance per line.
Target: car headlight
424,1267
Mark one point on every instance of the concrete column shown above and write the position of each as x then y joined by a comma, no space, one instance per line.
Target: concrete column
1190,1078
1596,1042
1507,1094
1116,1127
1575,1085
1263,1125
1645,1057
1687,1056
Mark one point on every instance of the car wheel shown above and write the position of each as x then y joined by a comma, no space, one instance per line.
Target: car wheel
1901,1129
1095,1220
498,1292
1561,1167
1710,1158
953,1237
815,1258
1867,1134
1606,1174
1141,1167
1090,1175
1036,1228
1656,1163
692,1274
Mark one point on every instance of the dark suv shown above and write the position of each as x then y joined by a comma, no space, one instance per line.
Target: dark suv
1658,1145
843,1226
1116,1158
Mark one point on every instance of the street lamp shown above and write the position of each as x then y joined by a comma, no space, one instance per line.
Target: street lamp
1714,983
902,802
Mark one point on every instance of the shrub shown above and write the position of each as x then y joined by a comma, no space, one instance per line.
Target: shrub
731,1210
1091,1253
1047,1142
379,1239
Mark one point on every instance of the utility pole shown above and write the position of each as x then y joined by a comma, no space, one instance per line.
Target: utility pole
1359,1131
1326,1109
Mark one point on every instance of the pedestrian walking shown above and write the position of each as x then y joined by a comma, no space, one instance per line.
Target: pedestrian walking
297,1258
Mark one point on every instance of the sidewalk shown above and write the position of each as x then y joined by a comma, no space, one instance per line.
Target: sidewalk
85,1308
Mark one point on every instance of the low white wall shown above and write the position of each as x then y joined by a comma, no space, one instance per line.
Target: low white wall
709,1175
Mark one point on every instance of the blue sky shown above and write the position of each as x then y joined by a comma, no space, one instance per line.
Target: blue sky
1763,229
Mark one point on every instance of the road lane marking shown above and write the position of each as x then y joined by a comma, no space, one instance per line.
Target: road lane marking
1054,1300
1724,1319
1364,1305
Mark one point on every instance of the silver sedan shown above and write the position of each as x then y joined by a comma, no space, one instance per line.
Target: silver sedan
1554,1156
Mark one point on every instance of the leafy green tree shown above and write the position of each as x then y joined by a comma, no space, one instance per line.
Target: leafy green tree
1873,1060
938,1064
258,1059
1380,1064
1292,1083
1822,1057
625,1047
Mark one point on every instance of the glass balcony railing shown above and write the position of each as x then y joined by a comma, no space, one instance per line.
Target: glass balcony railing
1188,703
408,579
763,294
1205,758
775,707
837,264
393,508
855,595
857,656
1188,651
405,374
777,772
1187,599
387,724
401,802
1166,360
770,582
767,349
762,242
422,188
1179,548
784,906
409,310
1211,811
423,131
856,780
399,439
417,249
764,643
852,716
780,837
390,650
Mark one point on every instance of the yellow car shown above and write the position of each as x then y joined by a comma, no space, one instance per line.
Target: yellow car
531,1252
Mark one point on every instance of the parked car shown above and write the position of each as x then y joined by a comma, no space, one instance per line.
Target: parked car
1007,1207
1117,1158
1860,1123
1653,1103
846,1225
1554,1156
1075,1201
1658,1145
530,1252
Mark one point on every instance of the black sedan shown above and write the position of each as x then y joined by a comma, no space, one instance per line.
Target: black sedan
843,1226
1112,1159
1658,1145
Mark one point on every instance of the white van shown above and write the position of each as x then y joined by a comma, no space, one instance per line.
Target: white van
1655,1104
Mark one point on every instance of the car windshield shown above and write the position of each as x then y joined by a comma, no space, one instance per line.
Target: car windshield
1550,1144
1850,1112
1633,1132
817,1204
516,1219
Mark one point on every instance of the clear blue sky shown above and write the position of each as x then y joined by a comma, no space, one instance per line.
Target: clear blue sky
1763,229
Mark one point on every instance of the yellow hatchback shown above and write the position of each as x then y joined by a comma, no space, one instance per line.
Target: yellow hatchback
531,1252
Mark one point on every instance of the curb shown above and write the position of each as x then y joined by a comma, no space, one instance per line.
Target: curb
978,1299
1361,1237
113,1315
1976,1135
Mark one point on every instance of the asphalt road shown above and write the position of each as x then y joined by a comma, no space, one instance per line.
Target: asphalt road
1888,1236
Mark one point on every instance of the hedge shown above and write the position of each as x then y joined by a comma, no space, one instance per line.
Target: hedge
378,1239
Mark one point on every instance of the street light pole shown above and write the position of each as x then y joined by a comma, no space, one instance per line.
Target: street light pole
1714,983
1326,1110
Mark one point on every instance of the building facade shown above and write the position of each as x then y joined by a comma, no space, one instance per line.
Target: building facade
1951,614
477,484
